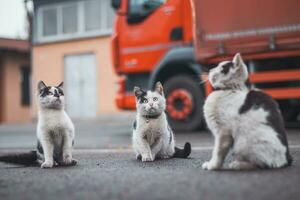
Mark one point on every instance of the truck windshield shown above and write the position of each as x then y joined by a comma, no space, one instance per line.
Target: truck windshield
140,9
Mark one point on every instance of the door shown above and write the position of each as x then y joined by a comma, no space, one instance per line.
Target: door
80,86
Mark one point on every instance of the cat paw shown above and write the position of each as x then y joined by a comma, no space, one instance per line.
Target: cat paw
147,158
163,156
47,164
74,162
234,165
68,160
208,165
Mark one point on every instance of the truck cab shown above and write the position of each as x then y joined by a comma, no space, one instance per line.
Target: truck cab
152,41
174,41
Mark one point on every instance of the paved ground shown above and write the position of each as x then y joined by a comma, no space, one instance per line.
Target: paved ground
119,176
107,169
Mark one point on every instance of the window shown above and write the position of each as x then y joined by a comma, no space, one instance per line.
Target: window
50,18
67,20
140,9
92,15
25,86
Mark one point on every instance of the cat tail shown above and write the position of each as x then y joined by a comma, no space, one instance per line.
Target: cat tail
289,159
183,153
28,158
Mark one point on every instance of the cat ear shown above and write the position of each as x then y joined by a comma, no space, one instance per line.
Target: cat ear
138,91
61,86
159,88
237,60
41,85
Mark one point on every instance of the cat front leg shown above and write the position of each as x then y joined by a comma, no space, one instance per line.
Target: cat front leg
223,143
67,149
157,146
145,150
48,148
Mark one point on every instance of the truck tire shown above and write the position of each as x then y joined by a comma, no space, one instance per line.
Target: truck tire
185,101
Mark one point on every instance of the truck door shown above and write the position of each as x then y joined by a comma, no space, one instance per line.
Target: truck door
149,29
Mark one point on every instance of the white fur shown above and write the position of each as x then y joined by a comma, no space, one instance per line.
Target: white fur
254,142
55,130
151,138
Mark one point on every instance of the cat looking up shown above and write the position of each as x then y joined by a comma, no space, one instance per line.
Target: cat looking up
55,132
248,121
152,136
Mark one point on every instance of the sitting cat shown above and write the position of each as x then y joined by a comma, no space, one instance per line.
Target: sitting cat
248,121
55,132
152,135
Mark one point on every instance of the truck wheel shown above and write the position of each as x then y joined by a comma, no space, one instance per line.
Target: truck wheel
184,103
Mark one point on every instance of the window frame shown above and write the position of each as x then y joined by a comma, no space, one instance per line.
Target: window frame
135,18
81,32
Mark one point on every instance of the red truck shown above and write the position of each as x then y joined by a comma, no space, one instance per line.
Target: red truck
174,41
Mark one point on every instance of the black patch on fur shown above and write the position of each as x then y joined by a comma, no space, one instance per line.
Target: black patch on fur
183,153
257,99
134,125
40,148
142,97
226,67
44,92
60,91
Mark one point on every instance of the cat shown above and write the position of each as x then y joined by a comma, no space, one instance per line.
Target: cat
246,120
152,136
55,132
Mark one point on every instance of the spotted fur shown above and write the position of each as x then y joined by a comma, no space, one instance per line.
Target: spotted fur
55,130
152,137
247,121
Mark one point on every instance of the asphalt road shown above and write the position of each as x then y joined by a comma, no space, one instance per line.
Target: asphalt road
107,169
118,176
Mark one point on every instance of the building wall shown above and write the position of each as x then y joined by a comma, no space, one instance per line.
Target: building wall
1,89
12,110
48,65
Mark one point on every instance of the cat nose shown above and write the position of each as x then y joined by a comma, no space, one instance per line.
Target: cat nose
151,104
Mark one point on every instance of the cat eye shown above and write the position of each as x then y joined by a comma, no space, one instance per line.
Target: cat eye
144,101
155,99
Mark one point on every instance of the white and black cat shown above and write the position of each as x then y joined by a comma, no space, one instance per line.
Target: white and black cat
152,136
55,132
248,121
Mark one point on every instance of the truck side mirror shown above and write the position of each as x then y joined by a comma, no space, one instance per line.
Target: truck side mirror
116,4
